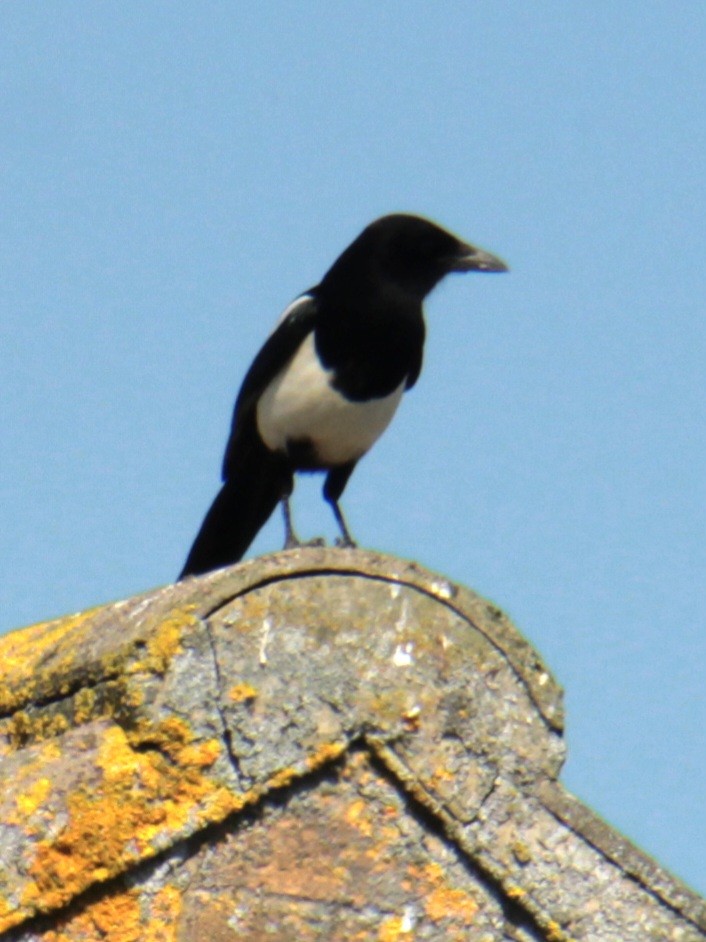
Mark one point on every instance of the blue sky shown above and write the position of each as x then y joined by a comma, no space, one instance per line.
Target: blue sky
172,175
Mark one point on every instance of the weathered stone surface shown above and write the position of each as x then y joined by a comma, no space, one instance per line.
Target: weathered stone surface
320,744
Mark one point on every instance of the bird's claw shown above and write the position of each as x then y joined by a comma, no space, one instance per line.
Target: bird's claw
345,542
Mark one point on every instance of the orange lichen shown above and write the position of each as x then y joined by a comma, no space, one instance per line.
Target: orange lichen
141,798
449,903
442,901
434,872
242,692
166,907
115,917
394,928
84,706
556,934
282,778
8,913
174,737
412,718
326,752
43,656
24,727
200,755
357,814
440,774
165,641
170,736
122,917
323,754
521,852
22,652
33,796
31,786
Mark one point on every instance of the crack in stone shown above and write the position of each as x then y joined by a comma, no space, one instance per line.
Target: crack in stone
219,685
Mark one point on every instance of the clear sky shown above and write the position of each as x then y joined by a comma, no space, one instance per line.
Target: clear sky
172,175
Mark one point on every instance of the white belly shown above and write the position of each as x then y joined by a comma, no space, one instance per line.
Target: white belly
300,405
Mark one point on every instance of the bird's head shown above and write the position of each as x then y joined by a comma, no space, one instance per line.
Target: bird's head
413,253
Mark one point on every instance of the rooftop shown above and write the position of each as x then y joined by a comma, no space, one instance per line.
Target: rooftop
318,744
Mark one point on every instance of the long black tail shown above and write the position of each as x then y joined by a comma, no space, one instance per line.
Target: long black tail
241,508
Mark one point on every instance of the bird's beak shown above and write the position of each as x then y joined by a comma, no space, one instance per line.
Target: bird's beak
471,258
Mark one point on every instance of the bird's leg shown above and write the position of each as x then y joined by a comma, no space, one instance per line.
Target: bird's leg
345,539
336,480
291,540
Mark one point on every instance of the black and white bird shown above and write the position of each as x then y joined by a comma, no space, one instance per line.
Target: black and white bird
328,380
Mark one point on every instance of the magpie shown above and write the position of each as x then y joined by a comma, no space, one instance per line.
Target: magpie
328,380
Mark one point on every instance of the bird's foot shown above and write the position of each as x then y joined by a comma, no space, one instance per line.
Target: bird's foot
345,542
291,540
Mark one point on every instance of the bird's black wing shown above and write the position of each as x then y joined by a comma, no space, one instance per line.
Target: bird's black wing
416,364
298,320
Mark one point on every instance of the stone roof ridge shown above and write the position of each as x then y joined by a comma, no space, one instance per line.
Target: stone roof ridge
321,743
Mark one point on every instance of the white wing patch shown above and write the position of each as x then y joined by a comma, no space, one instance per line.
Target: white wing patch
302,301
301,405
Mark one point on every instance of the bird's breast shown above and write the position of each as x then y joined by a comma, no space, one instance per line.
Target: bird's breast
300,406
